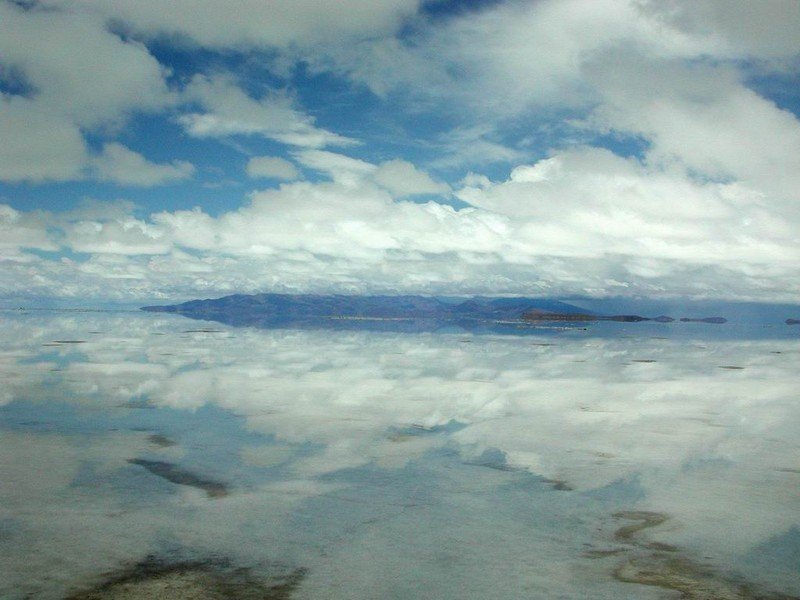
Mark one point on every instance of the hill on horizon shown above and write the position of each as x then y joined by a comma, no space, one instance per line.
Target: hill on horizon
301,306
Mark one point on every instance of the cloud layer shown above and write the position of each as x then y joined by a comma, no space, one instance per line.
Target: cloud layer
584,222
591,147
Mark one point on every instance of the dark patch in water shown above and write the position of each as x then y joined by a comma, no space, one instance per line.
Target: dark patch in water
138,403
69,341
643,360
731,367
196,580
603,553
558,484
175,474
160,440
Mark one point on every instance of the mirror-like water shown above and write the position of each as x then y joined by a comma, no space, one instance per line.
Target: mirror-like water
139,451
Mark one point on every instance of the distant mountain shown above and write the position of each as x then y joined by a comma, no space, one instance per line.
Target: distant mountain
257,308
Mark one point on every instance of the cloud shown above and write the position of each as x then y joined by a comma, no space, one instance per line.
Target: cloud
37,144
401,179
278,23
701,116
124,166
741,29
63,73
707,205
231,111
509,57
583,221
271,167
125,236
65,90
20,230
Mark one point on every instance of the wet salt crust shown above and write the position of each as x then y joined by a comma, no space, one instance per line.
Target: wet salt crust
153,460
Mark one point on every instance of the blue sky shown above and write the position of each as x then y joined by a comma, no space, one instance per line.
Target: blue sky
596,148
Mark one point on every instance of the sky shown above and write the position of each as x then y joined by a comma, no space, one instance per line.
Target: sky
572,148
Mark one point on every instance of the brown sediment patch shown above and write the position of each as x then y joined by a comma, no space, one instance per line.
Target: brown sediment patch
174,474
694,581
160,440
214,580
645,520
658,564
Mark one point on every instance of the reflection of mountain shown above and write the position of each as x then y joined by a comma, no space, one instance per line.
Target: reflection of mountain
544,315
717,320
346,312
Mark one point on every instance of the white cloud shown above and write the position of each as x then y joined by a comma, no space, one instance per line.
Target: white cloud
37,144
231,111
703,117
398,177
401,178
57,53
67,90
20,230
278,23
580,222
711,209
124,166
126,236
271,166
740,29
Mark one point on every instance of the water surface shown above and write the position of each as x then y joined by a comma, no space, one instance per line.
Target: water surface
614,463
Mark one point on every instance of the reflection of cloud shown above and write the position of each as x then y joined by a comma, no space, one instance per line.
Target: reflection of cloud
705,444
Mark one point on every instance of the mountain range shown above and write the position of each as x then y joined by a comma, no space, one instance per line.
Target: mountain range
241,308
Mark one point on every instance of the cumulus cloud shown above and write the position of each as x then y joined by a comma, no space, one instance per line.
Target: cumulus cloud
22,230
64,90
702,116
229,110
121,165
38,145
707,206
278,23
399,177
583,221
271,166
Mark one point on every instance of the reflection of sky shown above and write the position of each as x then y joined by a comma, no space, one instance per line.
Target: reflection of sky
390,465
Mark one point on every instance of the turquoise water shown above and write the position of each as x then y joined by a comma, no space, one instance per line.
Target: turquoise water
397,465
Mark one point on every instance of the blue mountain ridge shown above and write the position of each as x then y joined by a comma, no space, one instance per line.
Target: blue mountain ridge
241,308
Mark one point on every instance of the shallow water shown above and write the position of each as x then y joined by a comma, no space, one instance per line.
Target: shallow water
373,464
